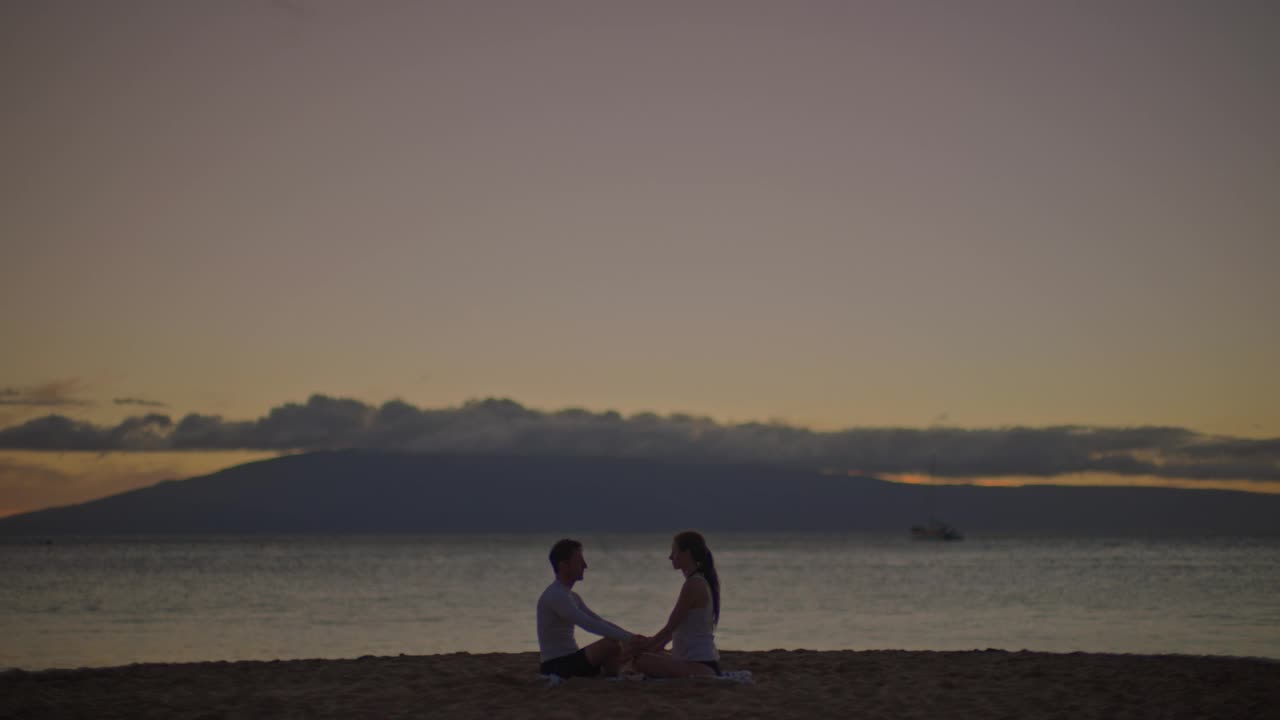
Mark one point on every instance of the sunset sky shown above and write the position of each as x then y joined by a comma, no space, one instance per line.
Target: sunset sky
826,215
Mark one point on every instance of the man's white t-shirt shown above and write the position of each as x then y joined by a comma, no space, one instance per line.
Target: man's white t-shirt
559,611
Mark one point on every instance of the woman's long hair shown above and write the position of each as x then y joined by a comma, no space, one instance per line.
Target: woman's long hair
697,547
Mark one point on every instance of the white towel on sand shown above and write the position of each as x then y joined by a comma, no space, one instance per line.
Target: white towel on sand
742,677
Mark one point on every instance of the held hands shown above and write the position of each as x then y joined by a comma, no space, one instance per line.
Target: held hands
634,646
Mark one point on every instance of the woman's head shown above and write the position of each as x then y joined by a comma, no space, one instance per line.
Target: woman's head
690,554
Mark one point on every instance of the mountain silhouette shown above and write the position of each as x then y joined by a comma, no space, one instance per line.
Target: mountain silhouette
379,492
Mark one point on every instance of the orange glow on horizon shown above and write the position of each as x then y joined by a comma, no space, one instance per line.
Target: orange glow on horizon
35,480
1087,480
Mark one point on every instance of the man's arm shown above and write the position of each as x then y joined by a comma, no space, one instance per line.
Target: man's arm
593,614
589,621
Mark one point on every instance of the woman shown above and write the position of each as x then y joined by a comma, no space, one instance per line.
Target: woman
692,625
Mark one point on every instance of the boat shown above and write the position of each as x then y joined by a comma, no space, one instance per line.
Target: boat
936,530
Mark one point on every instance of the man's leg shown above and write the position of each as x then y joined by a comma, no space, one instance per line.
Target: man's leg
605,654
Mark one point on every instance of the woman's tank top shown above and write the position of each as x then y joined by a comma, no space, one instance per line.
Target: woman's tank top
695,638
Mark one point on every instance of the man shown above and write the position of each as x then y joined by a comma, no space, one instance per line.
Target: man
560,610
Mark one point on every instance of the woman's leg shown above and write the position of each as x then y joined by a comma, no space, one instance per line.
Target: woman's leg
665,666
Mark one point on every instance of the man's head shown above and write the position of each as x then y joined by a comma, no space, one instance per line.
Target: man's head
566,560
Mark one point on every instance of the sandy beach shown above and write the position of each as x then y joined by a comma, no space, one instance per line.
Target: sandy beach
787,684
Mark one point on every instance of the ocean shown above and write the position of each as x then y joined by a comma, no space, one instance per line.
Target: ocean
114,601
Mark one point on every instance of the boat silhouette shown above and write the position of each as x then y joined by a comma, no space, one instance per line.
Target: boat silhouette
935,529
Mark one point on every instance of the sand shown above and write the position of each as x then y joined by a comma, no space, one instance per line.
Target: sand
788,684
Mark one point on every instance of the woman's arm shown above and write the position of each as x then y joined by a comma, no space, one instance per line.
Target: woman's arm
689,593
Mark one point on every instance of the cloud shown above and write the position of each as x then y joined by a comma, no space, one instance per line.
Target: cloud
504,426
53,432
59,393
138,401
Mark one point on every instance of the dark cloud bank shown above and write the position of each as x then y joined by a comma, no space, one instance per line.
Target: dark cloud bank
504,426
55,394
141,402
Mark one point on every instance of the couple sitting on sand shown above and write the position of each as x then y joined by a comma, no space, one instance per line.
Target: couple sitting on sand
690,629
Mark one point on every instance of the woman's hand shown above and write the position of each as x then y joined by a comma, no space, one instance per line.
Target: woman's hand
633,647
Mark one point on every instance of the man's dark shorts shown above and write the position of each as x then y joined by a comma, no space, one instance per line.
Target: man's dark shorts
567,666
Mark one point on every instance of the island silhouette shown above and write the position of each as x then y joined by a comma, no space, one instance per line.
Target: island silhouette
362,491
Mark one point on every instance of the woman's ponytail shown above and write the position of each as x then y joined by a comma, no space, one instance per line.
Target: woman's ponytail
706,564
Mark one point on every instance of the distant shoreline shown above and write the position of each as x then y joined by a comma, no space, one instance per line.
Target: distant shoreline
359,492
787,684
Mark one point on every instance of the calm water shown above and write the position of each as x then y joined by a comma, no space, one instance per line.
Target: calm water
112,602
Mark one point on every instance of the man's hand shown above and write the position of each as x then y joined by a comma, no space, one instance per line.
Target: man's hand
634,646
